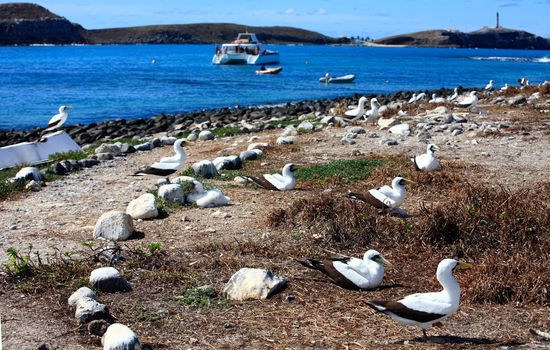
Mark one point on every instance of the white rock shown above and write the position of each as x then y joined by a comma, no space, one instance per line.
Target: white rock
286,140
400,130
227,163
108,279
168,140
205,168
289,131
257,145
114,226
88,309
182,180
120,337
81,293
305,126
172,193
144,207
192,137
112,149
28,173
206,135
250,283
385,123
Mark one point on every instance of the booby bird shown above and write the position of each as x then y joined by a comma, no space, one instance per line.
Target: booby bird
58,119
115,336
470,101
359,110
206,198
167,165
523,82
372,114
352,273
436,99
384,197
427,161
454,95
277,182
489,86
425,309
505,87
412,99
420,96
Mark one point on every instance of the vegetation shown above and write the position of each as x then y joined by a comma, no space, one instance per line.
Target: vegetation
201,297
345,170
71,155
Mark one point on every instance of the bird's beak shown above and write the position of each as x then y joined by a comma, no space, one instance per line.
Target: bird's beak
410,181
463,266
69,107
385,262
187,142
437,148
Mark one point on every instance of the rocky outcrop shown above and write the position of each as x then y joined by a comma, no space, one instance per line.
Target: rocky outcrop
27,24
498,38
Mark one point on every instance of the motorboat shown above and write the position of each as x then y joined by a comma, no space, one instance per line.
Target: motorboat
246,49
270,70
337,80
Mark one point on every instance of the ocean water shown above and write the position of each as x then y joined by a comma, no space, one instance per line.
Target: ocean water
109,82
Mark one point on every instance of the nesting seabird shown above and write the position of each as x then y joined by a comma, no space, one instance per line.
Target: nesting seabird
454,95
425,309
358,111
206,198
384,197
470,101
427,161
505,87
412,99
277,182
420,96
372,114
352,273
167,165
436,99
489,86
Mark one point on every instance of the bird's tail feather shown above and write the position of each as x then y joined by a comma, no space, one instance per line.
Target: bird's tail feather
311,263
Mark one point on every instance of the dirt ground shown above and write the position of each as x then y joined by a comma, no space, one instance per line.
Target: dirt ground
310,313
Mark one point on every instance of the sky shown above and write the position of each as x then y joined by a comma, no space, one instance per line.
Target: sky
375,19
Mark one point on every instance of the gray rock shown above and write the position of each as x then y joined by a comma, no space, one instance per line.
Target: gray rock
88,309
328,120
206,135
163,181
172,193
456,132
289,131
205,168
104,156
34,186
114,226
180,180
127,149
227,163
400,130
193,137
146,146
459,119
58,169
286,140
350,135
249,155
347,141
249,283
305,126
372,135
81,293
357,130
113,149
88,162
447,119
168,140
424,135
29,173
456,127
517,100
144,207
389,142
156,142
108,279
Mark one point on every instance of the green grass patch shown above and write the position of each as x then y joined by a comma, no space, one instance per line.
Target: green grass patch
201,298
6,187
293,122
226,131
71,155
347,170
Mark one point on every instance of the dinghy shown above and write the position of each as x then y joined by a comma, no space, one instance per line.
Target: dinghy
337,80
274,70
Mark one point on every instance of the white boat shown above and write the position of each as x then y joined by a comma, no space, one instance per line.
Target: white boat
341,80
247,49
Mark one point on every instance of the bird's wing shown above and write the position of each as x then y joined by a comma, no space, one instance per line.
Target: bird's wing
374,198
386,190
263,182
403,311
353,112
278,177
56,121
358,278
427,302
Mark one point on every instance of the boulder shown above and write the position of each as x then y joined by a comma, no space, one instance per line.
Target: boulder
168,140
227,163
289,131
286,140
28,173
517,100
144,207
250,155
104,156
347,141
305,126
193,137
88,309
257,145
146,146
328,120
172,193
205,168
180,180
250,283
400,130
109,280
385,123
113,149
81,293
357,130
206,135
114,226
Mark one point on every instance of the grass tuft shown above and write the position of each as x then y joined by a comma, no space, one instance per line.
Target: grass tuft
345,171
201,298
71,155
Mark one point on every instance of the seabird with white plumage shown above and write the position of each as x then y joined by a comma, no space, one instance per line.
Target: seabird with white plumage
352,273
385,197
276,182
420,96
372,114
470,101
489,86
114,336
436,99
425,309
427,161
412,99
167,165
206,198
454,95
358,111
59,119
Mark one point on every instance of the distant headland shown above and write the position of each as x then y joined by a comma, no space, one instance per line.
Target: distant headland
32,24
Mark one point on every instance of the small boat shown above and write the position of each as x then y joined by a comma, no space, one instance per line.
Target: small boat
246,49
274,70
337,80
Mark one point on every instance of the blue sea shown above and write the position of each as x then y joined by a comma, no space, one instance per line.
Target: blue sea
109,82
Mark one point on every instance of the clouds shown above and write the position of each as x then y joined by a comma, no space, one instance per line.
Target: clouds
292,12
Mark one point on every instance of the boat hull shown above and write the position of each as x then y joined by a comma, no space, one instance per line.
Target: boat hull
241,58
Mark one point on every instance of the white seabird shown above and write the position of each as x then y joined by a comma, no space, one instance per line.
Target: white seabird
427,161
359,110
372,114
384,197
470,101
454,95
58,119
277,182
352,273
206,198
505,87
167,165
425,309
436,99
489,86
412,99
420,96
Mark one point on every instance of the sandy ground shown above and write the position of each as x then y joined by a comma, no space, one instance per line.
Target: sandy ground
63,215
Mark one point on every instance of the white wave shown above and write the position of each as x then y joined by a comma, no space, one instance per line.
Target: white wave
544,59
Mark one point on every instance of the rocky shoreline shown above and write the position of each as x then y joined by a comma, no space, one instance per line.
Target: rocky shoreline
182,123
